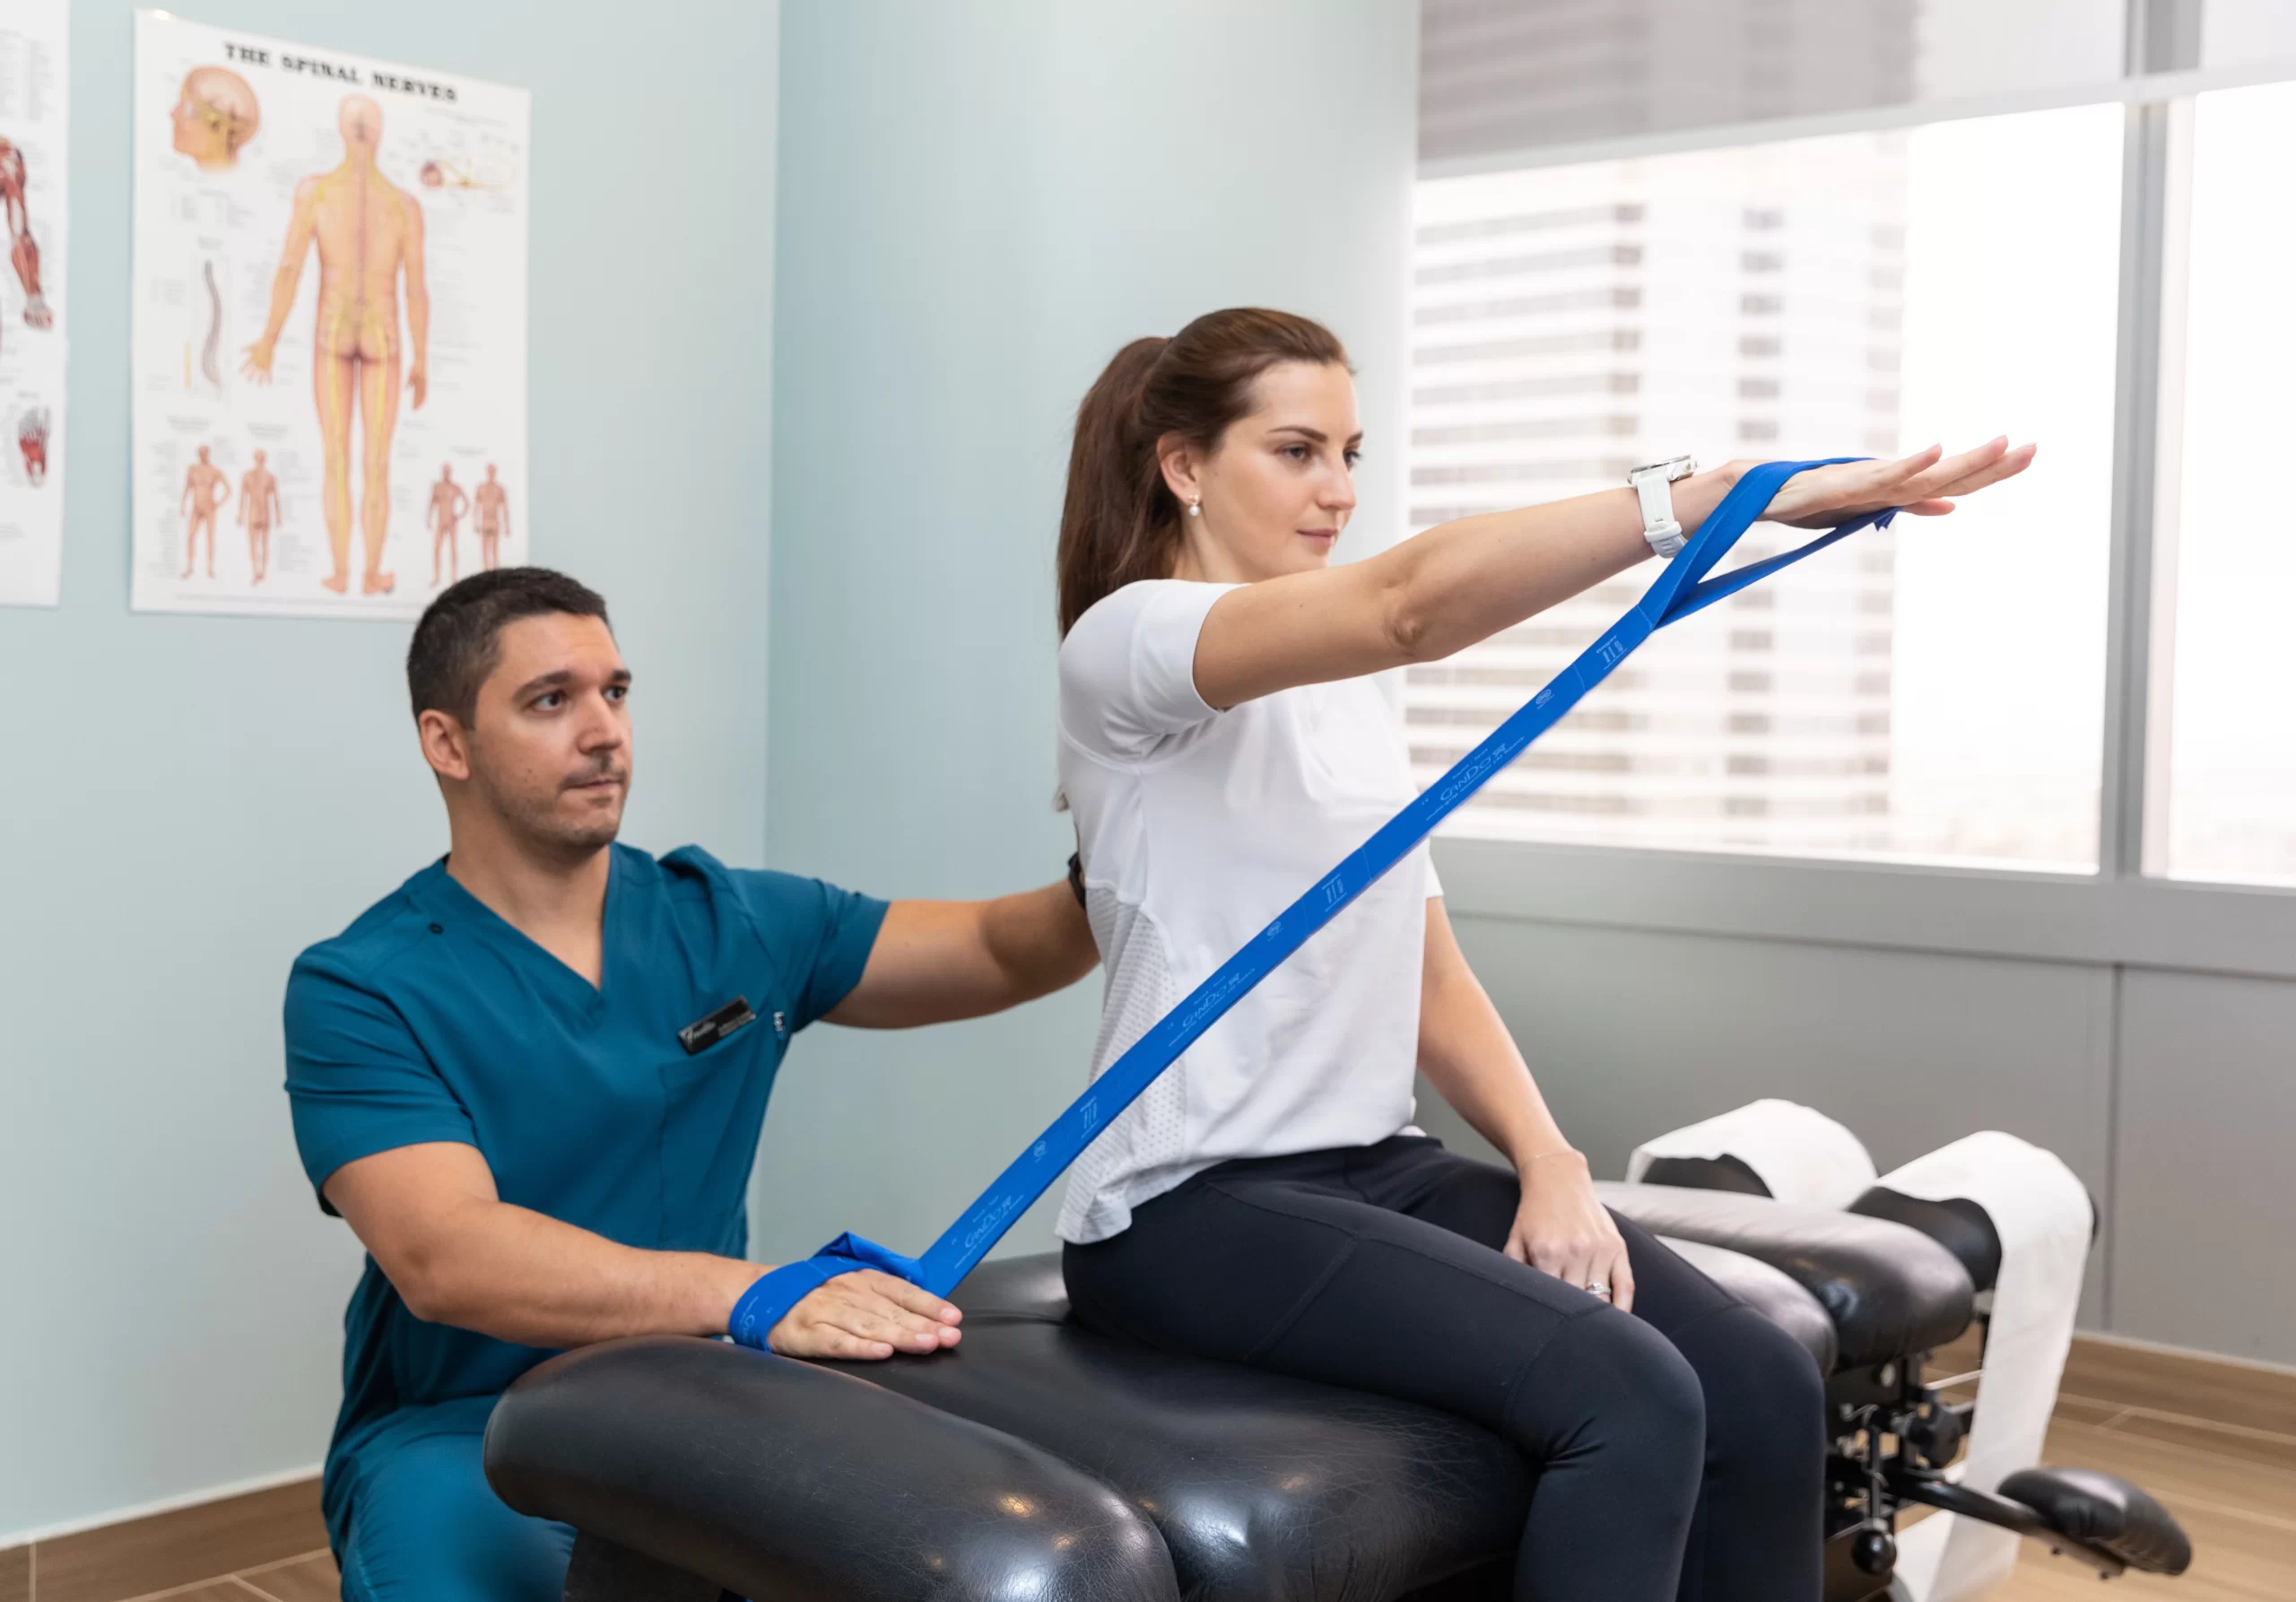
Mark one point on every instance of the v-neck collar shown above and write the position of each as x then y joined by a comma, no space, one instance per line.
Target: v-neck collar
456,901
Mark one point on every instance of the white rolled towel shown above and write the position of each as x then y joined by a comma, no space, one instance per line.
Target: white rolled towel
1799,1153
2041,1210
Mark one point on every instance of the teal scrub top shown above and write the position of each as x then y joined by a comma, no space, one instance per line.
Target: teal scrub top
432,1019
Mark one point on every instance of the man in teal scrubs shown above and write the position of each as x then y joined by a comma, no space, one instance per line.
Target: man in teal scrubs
532,1078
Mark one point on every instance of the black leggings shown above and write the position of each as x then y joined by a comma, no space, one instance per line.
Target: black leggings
1680,1450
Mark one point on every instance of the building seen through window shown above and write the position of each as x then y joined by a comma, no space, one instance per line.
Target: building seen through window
1934,691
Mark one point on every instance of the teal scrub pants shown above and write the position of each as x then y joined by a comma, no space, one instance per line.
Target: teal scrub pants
427,1528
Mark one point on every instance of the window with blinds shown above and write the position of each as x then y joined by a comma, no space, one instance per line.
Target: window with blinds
1822,297
1621,256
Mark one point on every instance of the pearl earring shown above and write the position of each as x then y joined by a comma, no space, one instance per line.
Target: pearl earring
1195,507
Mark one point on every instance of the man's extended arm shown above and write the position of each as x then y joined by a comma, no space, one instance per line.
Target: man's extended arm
460,1255
935,960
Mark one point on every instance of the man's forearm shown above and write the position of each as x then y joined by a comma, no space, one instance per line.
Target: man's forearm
934,961
521,1276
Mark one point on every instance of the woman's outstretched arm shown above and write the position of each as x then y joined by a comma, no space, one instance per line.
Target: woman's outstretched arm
1472,1061
1464,581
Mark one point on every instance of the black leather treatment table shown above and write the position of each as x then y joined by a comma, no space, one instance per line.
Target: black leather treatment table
1038,1461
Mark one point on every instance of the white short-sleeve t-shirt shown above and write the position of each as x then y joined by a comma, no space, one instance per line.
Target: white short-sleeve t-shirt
1196,828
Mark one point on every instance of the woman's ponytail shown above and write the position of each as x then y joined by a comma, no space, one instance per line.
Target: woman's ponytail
1109,521
1120,522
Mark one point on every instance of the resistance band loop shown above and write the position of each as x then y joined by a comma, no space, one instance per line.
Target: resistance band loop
1683,588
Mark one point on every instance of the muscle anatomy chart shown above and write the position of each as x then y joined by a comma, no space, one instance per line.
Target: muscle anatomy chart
318,320
33,71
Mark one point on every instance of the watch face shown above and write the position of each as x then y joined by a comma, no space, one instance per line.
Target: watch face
1674,467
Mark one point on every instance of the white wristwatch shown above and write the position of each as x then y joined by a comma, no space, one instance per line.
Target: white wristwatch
1651,482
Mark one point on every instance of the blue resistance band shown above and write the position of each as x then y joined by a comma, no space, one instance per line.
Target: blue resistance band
1683,588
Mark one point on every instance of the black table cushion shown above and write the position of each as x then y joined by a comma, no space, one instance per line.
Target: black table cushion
1262,1486
783,1482
1887,1289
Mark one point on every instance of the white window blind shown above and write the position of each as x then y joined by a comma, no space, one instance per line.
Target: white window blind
1500,76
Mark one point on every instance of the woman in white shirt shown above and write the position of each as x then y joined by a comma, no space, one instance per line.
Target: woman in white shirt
1267,1201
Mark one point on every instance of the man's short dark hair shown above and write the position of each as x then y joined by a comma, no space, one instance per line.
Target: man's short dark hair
454,646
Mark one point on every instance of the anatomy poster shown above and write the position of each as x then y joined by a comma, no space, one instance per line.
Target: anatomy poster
33,78
329,328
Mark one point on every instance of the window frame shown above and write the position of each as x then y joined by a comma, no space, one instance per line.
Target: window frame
2121,914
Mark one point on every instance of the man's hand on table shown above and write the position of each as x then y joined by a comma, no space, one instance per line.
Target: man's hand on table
866,1315
460,1255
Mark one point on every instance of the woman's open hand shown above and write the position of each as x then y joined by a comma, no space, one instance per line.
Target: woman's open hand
1561,1229
1924,484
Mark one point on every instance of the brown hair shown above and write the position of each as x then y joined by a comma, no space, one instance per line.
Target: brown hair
453,650
1120,522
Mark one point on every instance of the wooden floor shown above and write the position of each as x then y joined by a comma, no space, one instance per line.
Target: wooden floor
2215,1442
265,1545
310,1578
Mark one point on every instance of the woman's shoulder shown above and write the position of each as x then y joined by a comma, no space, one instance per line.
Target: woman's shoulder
1122,608
1127,667
1144,614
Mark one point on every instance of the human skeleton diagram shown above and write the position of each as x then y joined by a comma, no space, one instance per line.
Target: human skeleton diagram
494,508
259,509
368,231
447,504
22,252
204,488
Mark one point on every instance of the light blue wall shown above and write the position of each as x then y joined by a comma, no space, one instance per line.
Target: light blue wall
978,204
185,802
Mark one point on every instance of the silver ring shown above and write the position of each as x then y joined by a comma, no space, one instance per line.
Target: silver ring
1597,1290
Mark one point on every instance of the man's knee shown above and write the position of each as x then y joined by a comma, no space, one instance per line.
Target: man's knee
426,1526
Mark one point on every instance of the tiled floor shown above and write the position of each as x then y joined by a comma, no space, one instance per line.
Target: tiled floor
2216,1443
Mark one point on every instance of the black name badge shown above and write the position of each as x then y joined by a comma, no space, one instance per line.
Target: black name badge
704,1033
